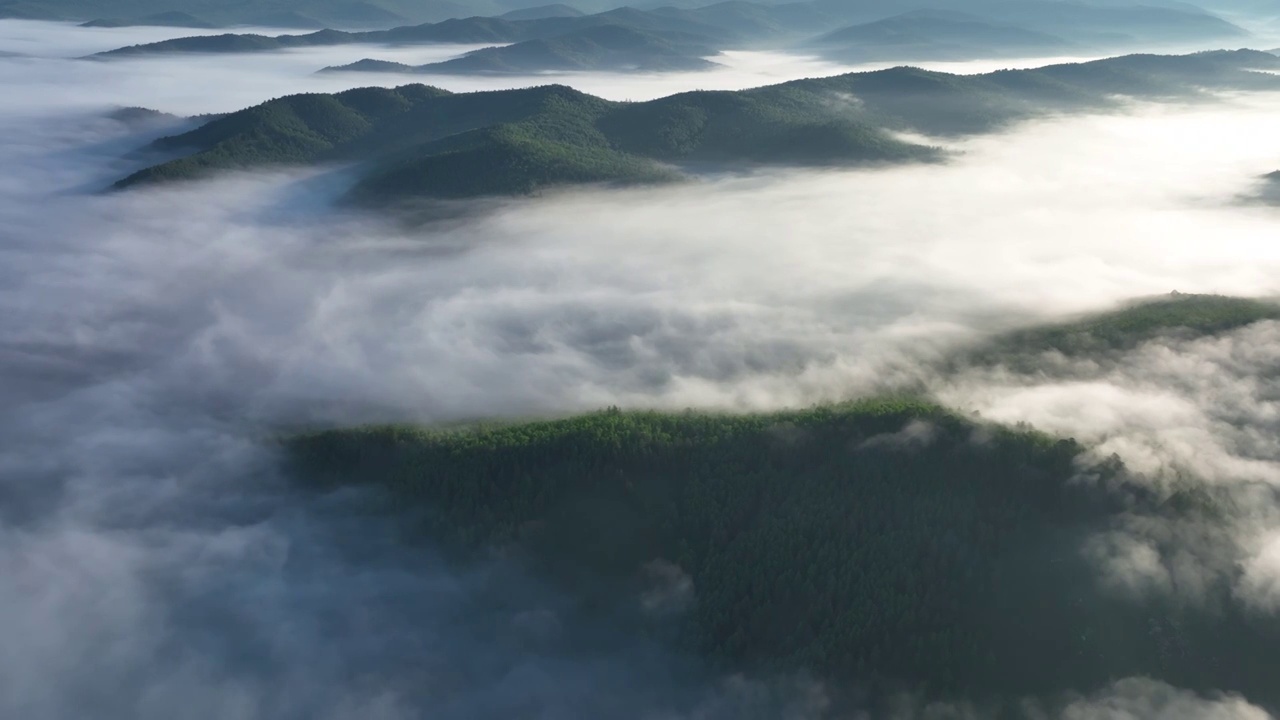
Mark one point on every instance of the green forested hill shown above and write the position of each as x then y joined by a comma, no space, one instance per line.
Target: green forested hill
414,124
1177,315
567,136
515,159
888,543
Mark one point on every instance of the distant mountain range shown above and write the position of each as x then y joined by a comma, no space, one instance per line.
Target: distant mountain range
269,13
987,28
1102,17
418,142
602,48
934,34
465,31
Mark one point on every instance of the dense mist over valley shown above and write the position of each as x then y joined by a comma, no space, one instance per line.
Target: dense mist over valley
160,558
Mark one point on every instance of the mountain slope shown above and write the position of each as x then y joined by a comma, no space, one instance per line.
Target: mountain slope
891,543
843,120
1177,315
514,159
388,126
232,43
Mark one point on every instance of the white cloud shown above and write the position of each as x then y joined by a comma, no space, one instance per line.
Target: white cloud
150,338
1140,699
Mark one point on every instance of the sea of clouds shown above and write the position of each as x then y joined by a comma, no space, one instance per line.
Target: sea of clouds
153,564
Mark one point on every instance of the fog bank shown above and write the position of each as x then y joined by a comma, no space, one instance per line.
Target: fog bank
153,563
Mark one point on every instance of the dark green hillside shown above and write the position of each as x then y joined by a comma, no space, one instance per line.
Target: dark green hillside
1171,75
941,103
390,125
884,541
503,160
372,65
233,43
140,116
603,48
1180,315
844,120
297,129
753,127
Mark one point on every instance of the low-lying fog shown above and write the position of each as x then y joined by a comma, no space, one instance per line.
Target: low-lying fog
152,565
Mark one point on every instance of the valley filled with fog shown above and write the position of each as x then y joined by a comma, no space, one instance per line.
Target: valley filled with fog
157,560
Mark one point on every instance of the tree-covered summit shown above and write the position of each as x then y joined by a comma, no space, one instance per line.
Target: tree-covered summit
1177,316
400,138
886,543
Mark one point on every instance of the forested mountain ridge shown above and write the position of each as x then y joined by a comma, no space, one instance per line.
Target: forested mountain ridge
272,13
752,18
601,48
886,543
468,30
986,28
417,141
1178,316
